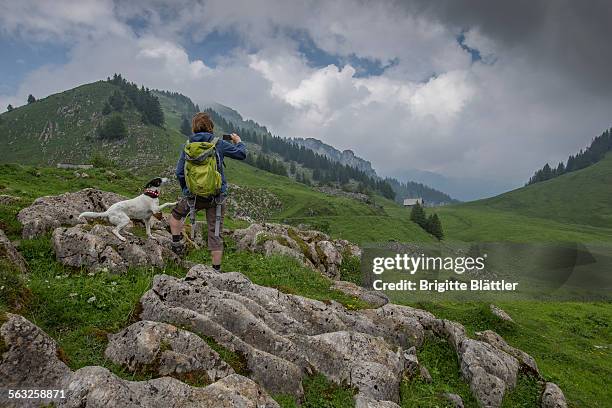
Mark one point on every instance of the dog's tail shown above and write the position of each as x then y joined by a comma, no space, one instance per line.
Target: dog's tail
89,214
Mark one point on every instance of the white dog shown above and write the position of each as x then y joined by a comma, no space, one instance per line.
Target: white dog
140,208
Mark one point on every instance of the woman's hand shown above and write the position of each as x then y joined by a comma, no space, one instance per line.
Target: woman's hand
235,138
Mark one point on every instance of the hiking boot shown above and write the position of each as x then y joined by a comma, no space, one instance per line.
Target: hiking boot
179,248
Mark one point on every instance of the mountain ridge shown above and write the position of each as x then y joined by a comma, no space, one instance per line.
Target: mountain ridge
66,126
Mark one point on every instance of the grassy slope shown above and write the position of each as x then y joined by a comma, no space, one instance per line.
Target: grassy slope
73,116
570,341
565,334
581,197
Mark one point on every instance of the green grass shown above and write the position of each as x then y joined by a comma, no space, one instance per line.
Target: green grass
283,273
341,217
78,309
319,392
465,223
441,361
580,197
570,341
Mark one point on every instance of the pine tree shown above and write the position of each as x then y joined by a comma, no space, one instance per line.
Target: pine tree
31,99
185,127
116,101
417,215
113,128
106,109
9,107
434,226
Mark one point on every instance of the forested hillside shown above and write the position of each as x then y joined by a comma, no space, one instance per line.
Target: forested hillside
596,151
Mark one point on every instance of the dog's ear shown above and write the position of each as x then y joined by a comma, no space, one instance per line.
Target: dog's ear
156,182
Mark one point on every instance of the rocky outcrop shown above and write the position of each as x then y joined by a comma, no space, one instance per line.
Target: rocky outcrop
455,400
313,248
374,298
97,248
364,198
164,350
553,397
10,255
252,204
30,360
280,338
527,362
490,372
6,199
500,313
50,212
283,337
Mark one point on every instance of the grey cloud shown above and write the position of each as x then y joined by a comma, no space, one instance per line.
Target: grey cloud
562,36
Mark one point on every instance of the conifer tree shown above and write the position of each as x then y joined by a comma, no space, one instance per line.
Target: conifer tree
417,215
113,128
31,99
9,107
106,109
185,127
434,226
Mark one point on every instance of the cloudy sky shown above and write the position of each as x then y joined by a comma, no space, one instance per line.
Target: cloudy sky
473,89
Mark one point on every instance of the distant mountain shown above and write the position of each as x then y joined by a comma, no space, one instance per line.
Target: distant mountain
345,157
464,189
411,189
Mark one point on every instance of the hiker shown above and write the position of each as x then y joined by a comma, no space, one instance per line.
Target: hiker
200,174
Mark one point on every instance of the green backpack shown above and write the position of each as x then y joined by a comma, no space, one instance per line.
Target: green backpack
201,168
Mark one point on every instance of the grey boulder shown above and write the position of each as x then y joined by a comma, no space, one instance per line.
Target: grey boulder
11,255
553,397
31,361
50,212
166,350
96,248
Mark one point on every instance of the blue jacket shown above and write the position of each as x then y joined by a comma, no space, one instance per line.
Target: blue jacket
224,148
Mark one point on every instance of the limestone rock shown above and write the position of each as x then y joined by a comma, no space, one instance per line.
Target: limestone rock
313,248
283,337
166,350
454,399
500,313
362,401
50,212
490,372
527,362
252,203
28,359
9,253
424,374
6,199
31,362
553,397
96,248
376,299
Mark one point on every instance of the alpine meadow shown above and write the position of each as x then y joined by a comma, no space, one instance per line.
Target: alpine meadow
566,339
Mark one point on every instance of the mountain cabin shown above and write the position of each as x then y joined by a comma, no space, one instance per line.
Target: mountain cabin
411,202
